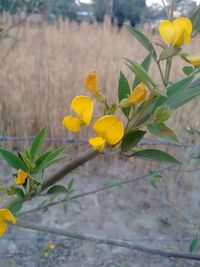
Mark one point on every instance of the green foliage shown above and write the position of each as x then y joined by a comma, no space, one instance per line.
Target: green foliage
155,155
145,65
57,189
194,245
140,72
123,92
188,70
143,39
16,205
155,178
37,142
123,10
131,139
169,52
13,160
162,131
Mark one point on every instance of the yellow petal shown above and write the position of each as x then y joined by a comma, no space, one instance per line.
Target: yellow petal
138,95
183,29
183,23
7,215
3,228
21,177
72,123
91,82
194,59
83,106
97,143
167,31
109,128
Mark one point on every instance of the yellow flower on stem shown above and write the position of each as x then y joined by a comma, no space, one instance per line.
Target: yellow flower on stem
194,59
108,129
5,215
138,95
83,107
176,32
91,82
21,177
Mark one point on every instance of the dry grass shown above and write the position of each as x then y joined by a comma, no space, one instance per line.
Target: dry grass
46,69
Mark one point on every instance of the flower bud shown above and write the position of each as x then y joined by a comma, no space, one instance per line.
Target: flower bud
162,114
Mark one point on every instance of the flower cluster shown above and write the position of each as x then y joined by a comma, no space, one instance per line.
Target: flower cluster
109,129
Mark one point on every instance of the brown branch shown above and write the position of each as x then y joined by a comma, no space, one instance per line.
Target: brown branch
115,242
75,163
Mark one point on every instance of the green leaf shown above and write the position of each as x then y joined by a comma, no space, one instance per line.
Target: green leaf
70,186
162,131
155,155
19,192
178,1
123,92
113,183
169,52
145,64
57,189
188,70
37,142
65,207
175,93
154,178
42,158
131,139
143,40
194,244
16,205
139,71
13,160
52,157
195,18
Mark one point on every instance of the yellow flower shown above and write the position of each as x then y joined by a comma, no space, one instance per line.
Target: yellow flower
91,82
138,95
194,59
108,129
5,215
21,177
176,32
83,107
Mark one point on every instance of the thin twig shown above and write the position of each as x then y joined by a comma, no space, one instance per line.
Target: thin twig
96,190
107,241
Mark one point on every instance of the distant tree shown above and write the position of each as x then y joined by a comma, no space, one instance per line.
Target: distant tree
122,10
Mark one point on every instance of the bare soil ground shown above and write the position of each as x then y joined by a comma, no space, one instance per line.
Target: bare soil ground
166,218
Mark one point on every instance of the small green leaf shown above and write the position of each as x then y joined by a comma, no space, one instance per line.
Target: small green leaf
13,160
194,244
16,205
140,72
188,70
154,178
42,158
70,186
52,157
19,192
57,189
123,92
155,155
65,207
113,183
162,131
143,40
37,142
145,64
131,139
169,52
195,18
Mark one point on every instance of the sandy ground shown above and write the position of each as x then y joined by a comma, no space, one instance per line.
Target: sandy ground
165,218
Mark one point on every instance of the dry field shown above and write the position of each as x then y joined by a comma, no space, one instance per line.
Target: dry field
45,70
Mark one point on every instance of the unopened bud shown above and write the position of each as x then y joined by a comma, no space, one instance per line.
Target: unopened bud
124,103
162,114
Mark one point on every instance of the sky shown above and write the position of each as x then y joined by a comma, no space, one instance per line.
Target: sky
148,2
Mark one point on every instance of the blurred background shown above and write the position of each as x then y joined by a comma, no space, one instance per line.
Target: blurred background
46,49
